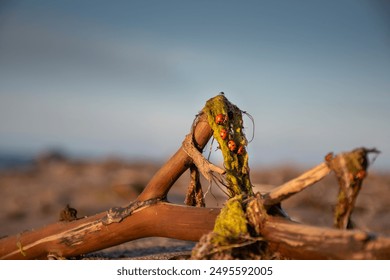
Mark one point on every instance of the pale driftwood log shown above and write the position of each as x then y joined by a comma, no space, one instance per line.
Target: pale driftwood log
297,241
296,185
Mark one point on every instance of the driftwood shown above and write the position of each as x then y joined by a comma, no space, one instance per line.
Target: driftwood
296,185
64,240
151,215
299,241
350,169
122,224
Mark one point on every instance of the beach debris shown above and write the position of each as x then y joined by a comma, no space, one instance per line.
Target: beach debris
249,226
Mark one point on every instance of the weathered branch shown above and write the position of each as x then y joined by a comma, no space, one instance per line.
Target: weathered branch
296,185
67,239
204,166
101,231
163,180
350,169
291,239
278,236
194,196
298,241
159,186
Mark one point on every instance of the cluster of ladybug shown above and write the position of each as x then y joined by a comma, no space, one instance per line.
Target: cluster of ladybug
221,119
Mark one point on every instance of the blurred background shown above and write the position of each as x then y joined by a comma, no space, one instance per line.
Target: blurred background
98,78
113,81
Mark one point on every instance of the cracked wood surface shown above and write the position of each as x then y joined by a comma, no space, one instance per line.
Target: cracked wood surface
67,239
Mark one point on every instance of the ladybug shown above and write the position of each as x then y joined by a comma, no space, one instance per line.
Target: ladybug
361,175
329,157
220,119
241,150
224,134
232,145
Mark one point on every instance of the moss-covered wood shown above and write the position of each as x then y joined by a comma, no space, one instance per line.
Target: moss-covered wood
231,231
225,119
231,223
350,169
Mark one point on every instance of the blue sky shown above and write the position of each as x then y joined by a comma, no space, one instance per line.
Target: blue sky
127,78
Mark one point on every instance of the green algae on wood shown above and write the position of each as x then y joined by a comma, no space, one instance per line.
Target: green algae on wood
231,223
235,160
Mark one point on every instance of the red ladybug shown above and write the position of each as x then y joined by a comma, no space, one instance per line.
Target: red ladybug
241,150
232,145
224,134
361,175
220,119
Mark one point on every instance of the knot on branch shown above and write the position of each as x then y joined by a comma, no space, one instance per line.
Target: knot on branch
117,214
